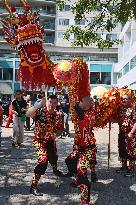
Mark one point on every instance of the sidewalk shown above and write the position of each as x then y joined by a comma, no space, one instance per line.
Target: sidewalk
16,170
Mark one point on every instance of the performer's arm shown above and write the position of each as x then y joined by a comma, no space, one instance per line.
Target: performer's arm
133,131
31,111
58,133
14,110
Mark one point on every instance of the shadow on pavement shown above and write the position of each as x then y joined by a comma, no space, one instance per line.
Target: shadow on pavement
113,188
16,171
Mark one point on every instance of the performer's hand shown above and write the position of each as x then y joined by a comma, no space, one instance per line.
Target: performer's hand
43,102
53,136
75,147
130,135
23,110
14,112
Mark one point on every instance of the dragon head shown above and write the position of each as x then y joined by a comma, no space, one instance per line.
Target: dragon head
23,32
29,44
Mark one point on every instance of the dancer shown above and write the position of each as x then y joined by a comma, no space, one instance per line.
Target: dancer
126,122
75,75
84,149
48,126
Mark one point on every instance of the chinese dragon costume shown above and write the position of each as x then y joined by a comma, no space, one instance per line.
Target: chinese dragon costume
24,33
75,75
113,108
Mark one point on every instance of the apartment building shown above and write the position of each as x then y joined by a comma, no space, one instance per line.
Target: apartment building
9,61
125,69
100,62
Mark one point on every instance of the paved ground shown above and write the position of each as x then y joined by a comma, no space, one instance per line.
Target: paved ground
16,170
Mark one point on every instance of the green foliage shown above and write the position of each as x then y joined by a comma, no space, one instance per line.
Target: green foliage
109,13
60,4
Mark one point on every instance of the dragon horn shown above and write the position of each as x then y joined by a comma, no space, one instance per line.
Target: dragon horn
7,7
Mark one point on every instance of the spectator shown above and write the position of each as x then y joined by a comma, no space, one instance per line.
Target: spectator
65,106
19,107
5,107
28,100
96,101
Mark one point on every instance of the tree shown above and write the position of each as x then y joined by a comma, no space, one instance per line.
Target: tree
109,14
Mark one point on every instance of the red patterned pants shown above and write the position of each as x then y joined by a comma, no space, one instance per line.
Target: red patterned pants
78,162
46,153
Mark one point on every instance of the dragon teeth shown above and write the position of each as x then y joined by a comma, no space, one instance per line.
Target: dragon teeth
30,41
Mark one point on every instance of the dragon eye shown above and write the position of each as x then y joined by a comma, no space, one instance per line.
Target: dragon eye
16,26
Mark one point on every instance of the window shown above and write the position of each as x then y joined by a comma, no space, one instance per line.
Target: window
111,36
49,38
114,21
66,7
133,63
93,21
16,74
71,37
48,24
7,74
80,22
100,78
1,33
94,77
106,78
99,35
120,74
60,35
114,36
126,69
101,67
48,10
64,22
108,37
0,73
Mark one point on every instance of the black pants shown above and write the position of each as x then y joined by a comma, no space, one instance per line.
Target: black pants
28,123
122,146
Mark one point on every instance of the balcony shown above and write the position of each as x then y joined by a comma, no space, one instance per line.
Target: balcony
2,38
49,40
50,0
50,26
47,12
3,11
45,1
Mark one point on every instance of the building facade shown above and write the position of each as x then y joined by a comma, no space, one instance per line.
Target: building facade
125,69
55,23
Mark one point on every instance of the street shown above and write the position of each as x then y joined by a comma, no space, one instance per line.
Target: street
17,164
